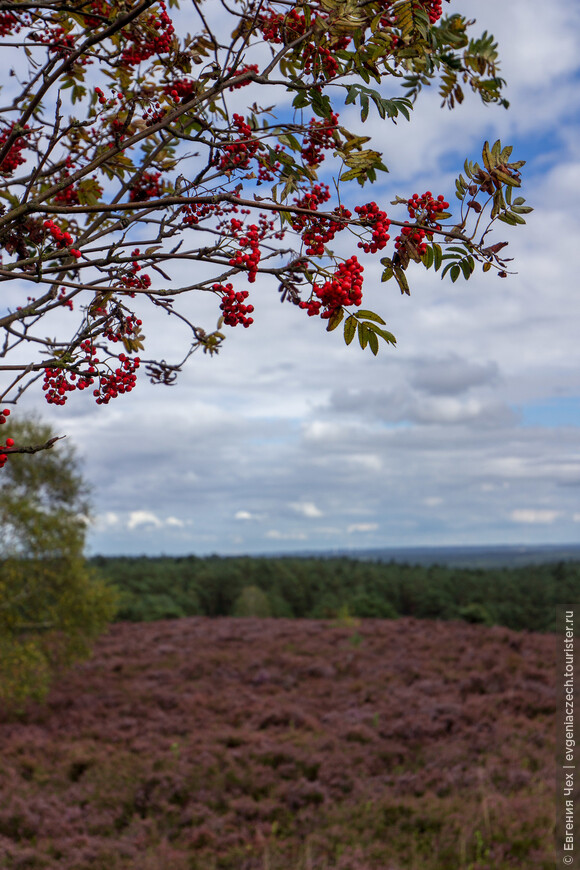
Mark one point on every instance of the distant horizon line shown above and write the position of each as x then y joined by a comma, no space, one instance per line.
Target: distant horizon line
395,548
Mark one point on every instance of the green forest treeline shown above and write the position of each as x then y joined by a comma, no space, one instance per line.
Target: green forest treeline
524,598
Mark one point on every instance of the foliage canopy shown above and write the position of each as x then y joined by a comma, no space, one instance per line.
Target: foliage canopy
51,604
133,173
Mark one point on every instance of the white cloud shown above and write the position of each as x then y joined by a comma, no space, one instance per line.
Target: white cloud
175,522
143,518
362,527
276,535
106,520
306,509
534,516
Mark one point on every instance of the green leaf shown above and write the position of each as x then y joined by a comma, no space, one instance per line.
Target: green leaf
335,320
466,267
437,256
370,315
387,336
373,342
300,101
320,103
289,140
350,325
402,280
496,151
508,218
427,257
454,272
351,174
364,112
89,191
363,335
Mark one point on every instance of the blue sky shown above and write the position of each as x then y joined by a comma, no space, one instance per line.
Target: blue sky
467,433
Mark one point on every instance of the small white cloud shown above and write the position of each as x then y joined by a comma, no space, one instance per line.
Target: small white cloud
362,527
173,521
576,518
433,501
143,518
306,509
106,520
534,516
285,536
246,515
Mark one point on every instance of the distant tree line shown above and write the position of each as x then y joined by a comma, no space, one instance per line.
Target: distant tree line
523,598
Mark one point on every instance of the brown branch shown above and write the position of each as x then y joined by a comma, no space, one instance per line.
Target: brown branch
33,449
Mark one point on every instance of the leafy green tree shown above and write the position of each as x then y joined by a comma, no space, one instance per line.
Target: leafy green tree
51,604
129,151
252,601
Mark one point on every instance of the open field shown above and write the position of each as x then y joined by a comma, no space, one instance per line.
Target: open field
246,744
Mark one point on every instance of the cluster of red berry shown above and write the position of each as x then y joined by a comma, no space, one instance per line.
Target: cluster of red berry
425,209
101,97
102,12
268,166
9,441
247,68
58,41
233,305
434,9
279,28
9,23
68,195
180,90
68,303
413,235
316,230
320,60
318,138
14,157
192,214
121,380
129,278
251,238
58,382
344,288
62,238
120,327
143,44
147,186
323,229
318,194
237,155
371,215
